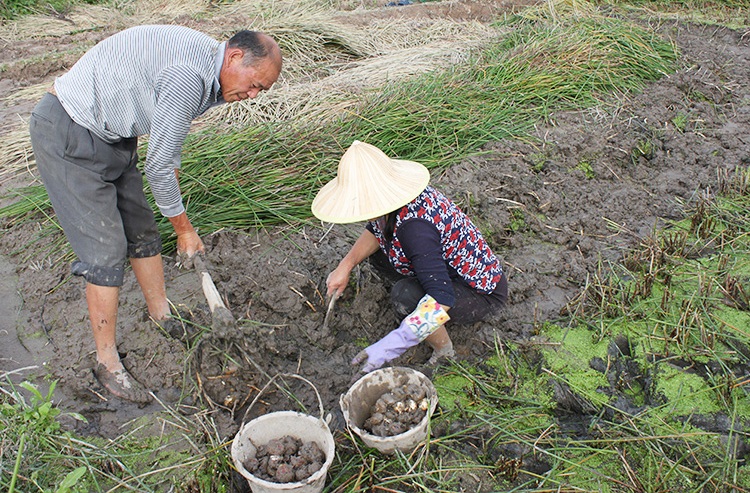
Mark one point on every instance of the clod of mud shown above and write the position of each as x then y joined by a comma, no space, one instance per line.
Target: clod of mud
286,459
397,411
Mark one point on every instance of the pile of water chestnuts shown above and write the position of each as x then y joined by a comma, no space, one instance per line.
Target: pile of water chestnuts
398,410
285,460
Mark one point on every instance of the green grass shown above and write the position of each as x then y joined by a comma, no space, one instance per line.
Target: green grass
729,13
47,458
13,9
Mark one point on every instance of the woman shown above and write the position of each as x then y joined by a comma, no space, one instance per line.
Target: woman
442,262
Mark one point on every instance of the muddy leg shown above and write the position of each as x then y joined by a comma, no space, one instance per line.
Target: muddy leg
149,272
102,303
441,344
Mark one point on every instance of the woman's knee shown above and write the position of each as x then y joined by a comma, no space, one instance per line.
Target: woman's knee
405,296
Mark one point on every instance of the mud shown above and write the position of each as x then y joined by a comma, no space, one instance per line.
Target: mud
550,222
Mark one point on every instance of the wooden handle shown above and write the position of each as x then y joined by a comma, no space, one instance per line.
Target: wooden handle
209,288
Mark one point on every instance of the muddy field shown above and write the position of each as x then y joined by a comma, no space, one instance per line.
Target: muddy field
550,221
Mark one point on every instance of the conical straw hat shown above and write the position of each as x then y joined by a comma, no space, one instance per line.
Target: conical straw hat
368,185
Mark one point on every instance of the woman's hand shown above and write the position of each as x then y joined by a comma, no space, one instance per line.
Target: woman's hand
337,280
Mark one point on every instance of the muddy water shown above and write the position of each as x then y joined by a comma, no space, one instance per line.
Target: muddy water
23,353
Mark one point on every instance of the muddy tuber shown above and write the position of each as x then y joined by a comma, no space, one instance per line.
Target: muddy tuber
397,411
286,459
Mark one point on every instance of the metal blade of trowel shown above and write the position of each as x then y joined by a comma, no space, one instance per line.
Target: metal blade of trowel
222,319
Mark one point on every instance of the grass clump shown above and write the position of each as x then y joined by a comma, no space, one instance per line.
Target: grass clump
29,428
38,454
12,9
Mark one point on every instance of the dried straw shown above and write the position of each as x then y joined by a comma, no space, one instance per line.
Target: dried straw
15,146
101,18
90,18
385,51
329,61
29,93
16,156
331,96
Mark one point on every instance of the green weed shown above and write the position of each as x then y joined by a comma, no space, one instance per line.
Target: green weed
587,169
680,121
12,9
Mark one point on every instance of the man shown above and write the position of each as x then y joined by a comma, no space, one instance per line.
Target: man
145,80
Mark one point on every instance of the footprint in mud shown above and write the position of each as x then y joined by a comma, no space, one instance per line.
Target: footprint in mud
629,385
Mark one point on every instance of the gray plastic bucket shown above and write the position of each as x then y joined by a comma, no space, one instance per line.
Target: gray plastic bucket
276,425
357,403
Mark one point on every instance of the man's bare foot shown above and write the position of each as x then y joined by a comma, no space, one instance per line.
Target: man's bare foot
121,384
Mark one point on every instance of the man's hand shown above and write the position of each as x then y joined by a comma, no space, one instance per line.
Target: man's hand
188,246
188,242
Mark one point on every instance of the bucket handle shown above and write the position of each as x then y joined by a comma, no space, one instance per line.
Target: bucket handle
293,375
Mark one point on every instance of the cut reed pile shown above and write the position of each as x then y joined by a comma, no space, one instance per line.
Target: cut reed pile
100,18
563,61
342,83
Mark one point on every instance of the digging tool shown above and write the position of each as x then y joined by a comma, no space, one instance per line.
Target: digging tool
221,318
329,311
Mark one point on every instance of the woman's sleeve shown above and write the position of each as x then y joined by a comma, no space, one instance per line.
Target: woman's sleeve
421,243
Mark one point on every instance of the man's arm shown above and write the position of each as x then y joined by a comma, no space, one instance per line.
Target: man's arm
179,95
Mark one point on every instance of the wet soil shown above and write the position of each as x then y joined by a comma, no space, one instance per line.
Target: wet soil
551,221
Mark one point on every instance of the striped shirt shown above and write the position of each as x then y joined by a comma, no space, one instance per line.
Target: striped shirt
151,80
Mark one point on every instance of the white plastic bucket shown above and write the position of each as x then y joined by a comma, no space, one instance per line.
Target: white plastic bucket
276,425
357,403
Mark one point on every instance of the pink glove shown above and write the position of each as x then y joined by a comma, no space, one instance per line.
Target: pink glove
423,321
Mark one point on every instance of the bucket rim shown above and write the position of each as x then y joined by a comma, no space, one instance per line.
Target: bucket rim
393,369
